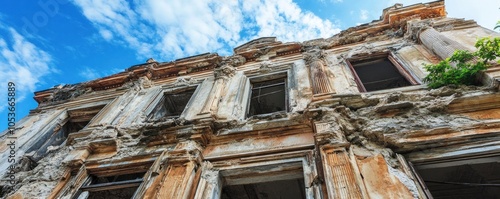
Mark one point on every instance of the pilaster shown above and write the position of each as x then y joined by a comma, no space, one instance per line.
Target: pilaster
176,173
321,83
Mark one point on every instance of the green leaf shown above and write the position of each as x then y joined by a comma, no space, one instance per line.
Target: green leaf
463,66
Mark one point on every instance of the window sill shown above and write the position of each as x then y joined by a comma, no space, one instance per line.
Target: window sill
273,115
400,89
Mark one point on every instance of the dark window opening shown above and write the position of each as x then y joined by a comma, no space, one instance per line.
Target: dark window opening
78,119
268,97
270,181
172,104
463,179
112,187
379,73
290,189
73,127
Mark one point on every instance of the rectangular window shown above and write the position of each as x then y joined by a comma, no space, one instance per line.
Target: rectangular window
77,120
112,187
467,178
268,96
381,72
265,181
291,189
173,104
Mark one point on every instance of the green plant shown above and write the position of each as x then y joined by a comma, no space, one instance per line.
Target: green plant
466,65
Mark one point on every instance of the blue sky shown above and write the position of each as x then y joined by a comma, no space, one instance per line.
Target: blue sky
44,43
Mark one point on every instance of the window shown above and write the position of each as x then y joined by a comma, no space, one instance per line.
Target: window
173,104
468,178
265,181
276,175
76,121
111,187
291,189
381,72
79,118
268,96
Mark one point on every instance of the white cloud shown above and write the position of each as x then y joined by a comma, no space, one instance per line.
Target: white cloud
106,34
89,74
177,28
332,1
363,15
23,63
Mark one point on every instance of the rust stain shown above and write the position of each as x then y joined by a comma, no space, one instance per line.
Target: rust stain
448,135
259,145
378,181
172,182
343,177
176,181
486,114
16,196
321,83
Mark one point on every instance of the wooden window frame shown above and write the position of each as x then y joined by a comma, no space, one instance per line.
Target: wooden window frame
130,165
256,164
264,78
390,56
111,185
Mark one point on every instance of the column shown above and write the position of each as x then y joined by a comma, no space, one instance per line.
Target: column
174,175
321,83
443,46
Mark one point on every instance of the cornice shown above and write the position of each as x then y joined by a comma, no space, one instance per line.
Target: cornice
262,49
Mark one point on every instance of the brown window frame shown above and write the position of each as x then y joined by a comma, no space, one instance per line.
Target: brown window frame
272,77
118,170
399,67
112,185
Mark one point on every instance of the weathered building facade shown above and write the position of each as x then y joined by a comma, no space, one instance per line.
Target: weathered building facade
343,117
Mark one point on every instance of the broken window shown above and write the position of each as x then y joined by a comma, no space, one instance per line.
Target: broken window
268,97
290,189
266,181
382,72
173,104
111,187
472,178
79,118
76,121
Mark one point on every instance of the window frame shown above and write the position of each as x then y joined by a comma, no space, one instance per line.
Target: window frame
294,170
417,166
265,78
83,178
89,187
391,57
162,97
63,133
223,172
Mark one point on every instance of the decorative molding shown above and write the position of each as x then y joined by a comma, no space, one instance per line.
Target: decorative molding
320,81
225,71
